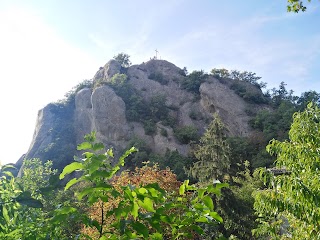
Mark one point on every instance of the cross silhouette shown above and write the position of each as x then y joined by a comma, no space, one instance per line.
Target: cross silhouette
156,53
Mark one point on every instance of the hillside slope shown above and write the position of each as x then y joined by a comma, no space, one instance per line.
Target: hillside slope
152,102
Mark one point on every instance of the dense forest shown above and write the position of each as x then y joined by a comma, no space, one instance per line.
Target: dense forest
258,187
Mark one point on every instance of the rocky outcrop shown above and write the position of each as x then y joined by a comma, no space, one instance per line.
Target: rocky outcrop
219,98
105,73
42,137
100,109
83,114
109,117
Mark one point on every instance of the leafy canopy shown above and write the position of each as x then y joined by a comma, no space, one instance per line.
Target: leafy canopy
123,59
296,6
148,211
293,198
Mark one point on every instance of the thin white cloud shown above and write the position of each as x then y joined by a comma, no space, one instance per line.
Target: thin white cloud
240,45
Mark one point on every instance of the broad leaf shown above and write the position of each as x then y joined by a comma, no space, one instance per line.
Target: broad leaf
208,202
30,202
25,198
9,174
135,209
71,168
198,229
202,219
156,236
71,183
5,214
97,146
147,204
182,189
216,216
84,146
141,229
126,154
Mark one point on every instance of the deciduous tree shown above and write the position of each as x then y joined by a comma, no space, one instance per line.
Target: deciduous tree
291,204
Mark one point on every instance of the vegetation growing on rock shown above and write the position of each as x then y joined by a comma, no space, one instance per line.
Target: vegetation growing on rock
166,106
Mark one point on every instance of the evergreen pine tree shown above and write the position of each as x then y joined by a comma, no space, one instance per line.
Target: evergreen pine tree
213,154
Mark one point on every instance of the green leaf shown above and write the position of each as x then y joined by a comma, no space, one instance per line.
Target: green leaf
66,210
128,193
216,189
54,180
198,206
154,192
7,166
5,214
47,190
71,168
88,154
198,229
122,226
165,218
141,229
61,214
182,189
94,165
30,202
208,202
84,146
96,224
202,219
97,146
142,190
216,216
7,173
126,154
26,199
103,174
71,183
90,189
156,236
91,137
135,209
147,204
24,195
84,192
201,192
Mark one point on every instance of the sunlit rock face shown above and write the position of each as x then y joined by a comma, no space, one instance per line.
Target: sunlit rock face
102,110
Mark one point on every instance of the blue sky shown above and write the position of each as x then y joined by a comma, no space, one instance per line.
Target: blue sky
46,47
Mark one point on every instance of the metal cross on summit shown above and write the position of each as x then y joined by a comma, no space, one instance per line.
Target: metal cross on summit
156,54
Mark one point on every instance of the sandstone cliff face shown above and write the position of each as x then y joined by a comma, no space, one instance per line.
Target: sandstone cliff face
102,110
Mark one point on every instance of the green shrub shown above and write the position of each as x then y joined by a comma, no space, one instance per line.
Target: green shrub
149,127
170,121
186,134
118,79
158,76
163,132
137,159
123,59
183,72
249,94
193,81
158,108
194,115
